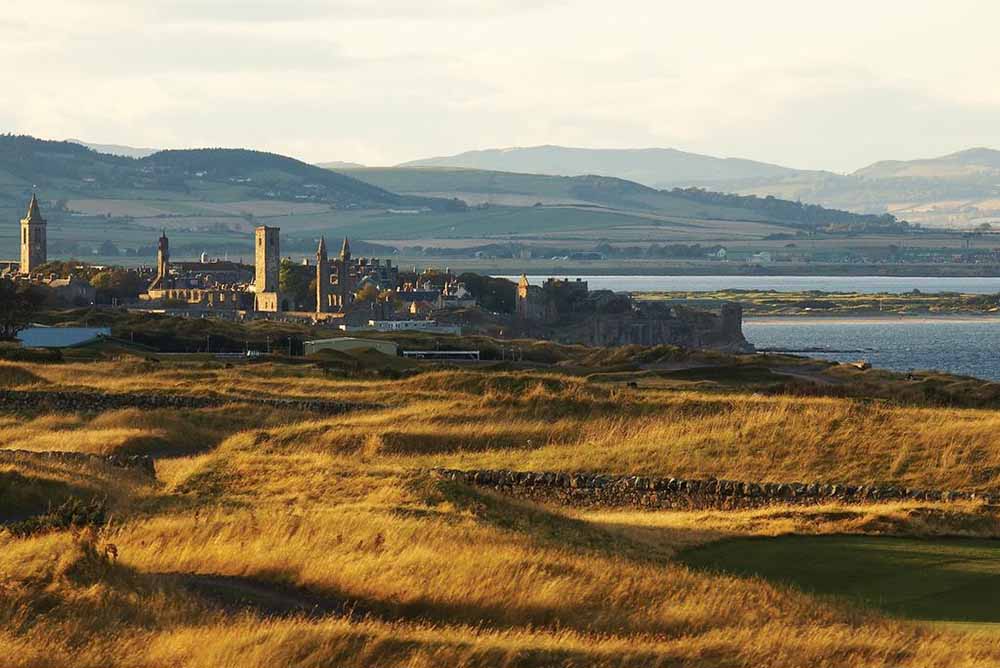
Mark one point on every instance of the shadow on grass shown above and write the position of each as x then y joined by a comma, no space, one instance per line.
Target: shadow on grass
537,523
24,496
268,595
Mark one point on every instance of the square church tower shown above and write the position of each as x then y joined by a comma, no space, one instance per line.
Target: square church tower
267,263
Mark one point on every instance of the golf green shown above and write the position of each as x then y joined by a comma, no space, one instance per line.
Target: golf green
955,580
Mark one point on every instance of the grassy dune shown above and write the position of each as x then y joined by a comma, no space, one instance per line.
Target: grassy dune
277,537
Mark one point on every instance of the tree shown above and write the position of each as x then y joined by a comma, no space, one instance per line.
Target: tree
18,305
108,249
120,284
295,280
368,293
493,294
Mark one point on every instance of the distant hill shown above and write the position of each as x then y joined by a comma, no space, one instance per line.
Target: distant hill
478,187
959,190
67,169
971,163
340,164
116,149
656,167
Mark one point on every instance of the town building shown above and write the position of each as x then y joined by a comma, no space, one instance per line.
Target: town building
72,290
425,326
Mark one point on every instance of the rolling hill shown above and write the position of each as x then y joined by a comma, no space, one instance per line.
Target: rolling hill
66,169
108,206
116,149
210,199
656,167
482,187
971,163
959,190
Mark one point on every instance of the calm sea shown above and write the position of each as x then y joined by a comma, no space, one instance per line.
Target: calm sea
865,284
969,346
966,346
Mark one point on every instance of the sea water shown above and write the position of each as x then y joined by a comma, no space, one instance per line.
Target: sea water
964,346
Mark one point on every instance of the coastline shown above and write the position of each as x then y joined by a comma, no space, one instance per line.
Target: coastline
846,318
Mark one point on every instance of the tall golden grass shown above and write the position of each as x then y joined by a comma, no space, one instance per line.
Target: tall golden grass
283,538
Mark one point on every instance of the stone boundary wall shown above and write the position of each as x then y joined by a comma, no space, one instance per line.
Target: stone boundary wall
141,463
102,401
585,489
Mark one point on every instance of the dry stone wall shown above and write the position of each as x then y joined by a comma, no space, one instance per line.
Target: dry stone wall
100,401
584,489
141,463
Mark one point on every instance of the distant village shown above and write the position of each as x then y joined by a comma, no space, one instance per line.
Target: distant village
358,294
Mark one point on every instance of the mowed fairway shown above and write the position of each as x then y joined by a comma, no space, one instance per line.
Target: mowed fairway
952,580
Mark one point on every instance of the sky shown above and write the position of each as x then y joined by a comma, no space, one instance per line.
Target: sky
831,85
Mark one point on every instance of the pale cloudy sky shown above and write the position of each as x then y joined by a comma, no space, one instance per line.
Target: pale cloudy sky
826,85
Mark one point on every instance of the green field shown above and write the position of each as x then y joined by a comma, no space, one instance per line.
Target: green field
840,304
477,186
929,580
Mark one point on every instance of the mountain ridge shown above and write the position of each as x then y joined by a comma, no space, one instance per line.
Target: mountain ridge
116,149
642,165
69,169
960,189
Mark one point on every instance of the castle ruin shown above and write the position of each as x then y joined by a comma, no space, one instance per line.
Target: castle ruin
569,312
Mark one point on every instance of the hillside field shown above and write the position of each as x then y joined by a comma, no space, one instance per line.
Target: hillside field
209,200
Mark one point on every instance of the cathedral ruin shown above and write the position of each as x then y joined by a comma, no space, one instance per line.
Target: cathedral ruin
229,286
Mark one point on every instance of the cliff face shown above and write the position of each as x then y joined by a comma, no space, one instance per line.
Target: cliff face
651,325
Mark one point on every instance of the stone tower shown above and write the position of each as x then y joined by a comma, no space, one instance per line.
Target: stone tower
345,287
34,245
322,278
267,262
162,280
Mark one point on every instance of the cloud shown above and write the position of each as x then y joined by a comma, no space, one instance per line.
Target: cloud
394,80
232,12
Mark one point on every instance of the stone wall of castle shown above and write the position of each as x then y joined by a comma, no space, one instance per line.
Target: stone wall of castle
568,312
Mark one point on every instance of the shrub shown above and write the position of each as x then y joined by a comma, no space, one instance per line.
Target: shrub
72,513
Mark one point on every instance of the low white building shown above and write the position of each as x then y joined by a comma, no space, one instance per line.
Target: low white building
431,326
